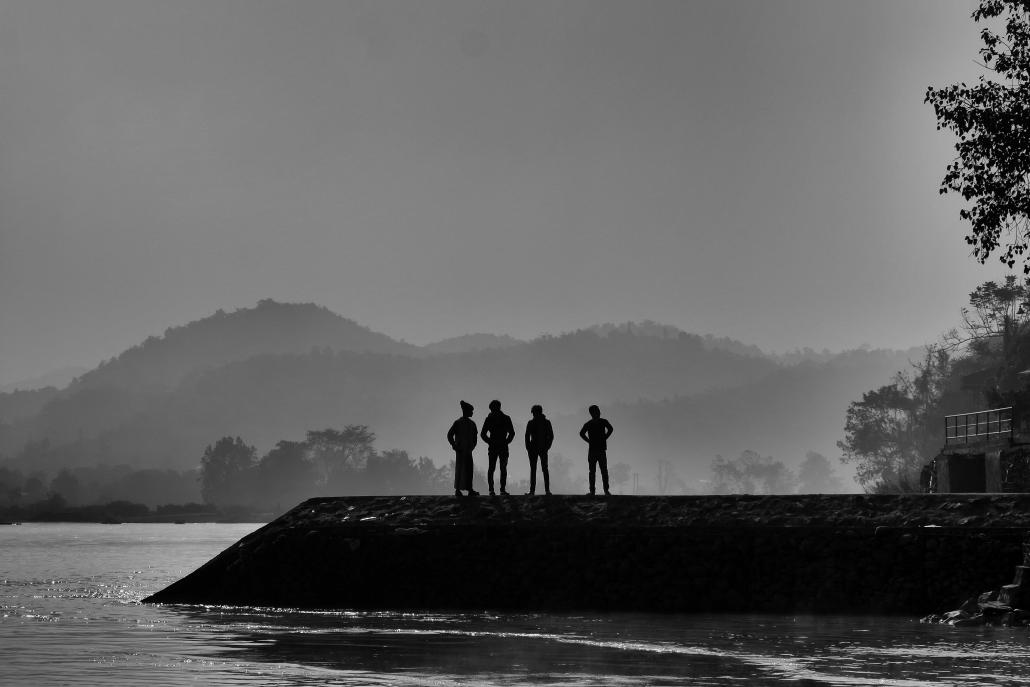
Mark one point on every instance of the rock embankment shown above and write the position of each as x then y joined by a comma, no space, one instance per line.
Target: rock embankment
1008,605
853,553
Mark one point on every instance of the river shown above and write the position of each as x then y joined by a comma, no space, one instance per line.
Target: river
70,615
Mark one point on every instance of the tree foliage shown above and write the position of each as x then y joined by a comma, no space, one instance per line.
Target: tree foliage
816,475
893,430
67,486
752,473
997,315
992,121
340,455
668,480
224,468
329,462
996,334
286,474
620,474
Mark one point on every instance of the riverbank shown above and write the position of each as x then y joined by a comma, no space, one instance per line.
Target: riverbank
847,553
119,512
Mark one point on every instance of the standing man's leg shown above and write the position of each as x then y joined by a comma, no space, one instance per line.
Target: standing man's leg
543,469
503,457
492,455
458,474
592,461
463,473
532,473
469,472
603,461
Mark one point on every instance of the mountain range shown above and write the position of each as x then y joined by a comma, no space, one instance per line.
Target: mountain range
273,371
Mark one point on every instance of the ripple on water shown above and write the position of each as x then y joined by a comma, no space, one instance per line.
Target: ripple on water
69,614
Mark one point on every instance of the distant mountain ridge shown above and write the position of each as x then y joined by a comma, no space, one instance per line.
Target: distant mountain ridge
269,327
667,331
276,370
710,341
58,379
797,408
270,396
472,342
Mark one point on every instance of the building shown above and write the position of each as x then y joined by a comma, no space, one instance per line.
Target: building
984,451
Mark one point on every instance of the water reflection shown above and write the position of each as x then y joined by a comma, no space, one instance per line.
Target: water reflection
612,649
69,615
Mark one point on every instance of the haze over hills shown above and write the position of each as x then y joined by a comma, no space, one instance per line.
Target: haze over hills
57,378
270,327
276,370
472,342
793,357
793,410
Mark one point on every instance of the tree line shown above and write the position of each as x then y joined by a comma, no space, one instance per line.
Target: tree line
81,486
753,473
327,462
893,430
343,462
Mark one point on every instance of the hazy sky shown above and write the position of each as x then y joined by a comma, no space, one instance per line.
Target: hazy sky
764,170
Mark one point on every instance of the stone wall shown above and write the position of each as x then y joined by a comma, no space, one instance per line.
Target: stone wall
477,559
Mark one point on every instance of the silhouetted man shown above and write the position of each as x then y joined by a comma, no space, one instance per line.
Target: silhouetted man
497,433
539,437
596,432
463,439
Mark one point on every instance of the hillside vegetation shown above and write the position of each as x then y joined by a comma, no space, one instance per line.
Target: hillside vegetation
277,370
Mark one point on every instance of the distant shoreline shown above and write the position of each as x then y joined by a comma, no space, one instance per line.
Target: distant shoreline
143,521
118,512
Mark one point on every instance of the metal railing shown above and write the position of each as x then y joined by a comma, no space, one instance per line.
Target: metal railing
983,425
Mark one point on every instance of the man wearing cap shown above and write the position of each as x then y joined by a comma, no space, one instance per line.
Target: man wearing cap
498,431
463,439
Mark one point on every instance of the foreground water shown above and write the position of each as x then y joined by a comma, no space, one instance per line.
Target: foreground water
70,615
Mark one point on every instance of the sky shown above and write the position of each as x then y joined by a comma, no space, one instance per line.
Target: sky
764,170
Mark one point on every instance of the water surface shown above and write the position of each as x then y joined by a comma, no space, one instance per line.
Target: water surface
70,615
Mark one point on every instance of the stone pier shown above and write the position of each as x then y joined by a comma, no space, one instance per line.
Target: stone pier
912,554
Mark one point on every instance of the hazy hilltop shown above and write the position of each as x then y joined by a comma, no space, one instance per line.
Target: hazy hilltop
269,327
471,342
58,379
20,405
664,331
724,343
405,399
795,409
274,371
127,386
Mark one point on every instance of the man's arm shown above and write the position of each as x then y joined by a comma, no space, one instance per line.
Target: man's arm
509,434
608,429
483,434
452,435
583,433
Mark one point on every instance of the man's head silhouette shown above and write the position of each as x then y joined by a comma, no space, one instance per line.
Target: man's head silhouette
466,409
495,405
536,410
594,411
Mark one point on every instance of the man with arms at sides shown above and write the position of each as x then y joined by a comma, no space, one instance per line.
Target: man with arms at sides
539,437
